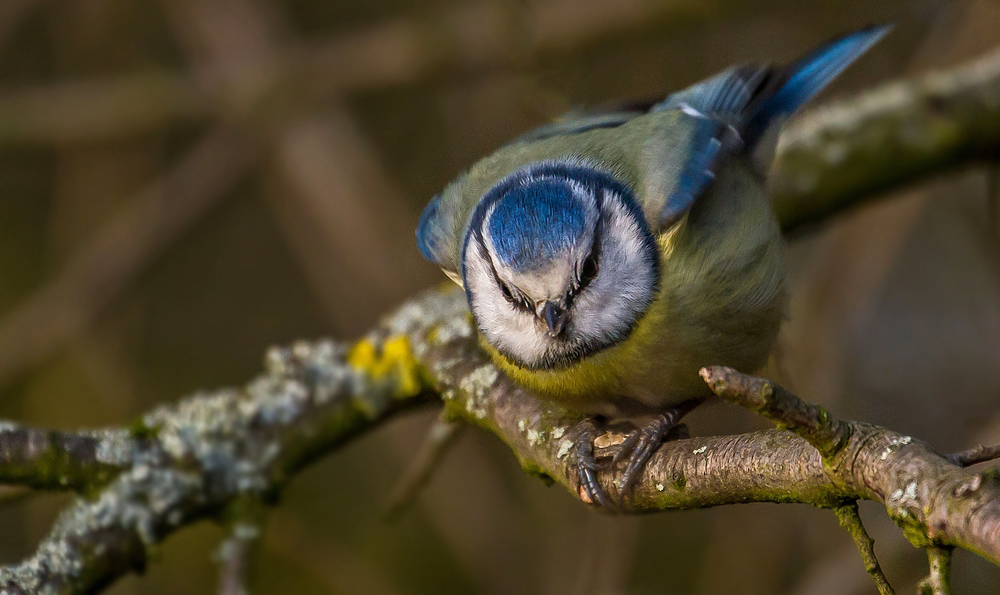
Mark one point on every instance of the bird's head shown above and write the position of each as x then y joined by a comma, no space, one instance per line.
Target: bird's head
558,263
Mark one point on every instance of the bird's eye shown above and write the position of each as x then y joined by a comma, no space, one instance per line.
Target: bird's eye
515,297
506,292
588,271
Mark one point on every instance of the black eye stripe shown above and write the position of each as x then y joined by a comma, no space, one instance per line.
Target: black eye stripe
511,293
589,267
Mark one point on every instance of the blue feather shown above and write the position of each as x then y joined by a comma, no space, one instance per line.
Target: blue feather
534,222
429,236
698,171
725,96
735,108
807,77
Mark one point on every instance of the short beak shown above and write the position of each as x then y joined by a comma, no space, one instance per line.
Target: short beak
554,316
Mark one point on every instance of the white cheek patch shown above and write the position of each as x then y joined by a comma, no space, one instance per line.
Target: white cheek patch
625,284
509,329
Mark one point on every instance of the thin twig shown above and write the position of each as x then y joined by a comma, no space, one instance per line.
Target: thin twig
237,553
828,434
850,520
938,582
234,556
439,439
979,454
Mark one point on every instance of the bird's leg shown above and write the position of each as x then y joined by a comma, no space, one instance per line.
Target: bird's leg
642,442
586,463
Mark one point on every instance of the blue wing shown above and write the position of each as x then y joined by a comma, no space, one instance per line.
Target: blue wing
799,82
737,107
707,141
430,238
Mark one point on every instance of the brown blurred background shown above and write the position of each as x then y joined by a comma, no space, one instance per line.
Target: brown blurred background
186,182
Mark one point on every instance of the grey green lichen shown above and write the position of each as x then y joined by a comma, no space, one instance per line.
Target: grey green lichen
194,458
62,460
185,460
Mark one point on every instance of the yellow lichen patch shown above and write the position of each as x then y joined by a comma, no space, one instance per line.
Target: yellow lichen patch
363,356
395,364
398,356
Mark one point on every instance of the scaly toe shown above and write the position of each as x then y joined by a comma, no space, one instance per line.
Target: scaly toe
587,466
642,442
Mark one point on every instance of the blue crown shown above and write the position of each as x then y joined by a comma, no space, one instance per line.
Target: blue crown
535,221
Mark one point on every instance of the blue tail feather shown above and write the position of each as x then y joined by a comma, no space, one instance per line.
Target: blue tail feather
749,100
808,76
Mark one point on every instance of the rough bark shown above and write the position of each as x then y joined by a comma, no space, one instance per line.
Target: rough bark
200,456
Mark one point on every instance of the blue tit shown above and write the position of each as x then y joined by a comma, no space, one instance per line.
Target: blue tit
607,257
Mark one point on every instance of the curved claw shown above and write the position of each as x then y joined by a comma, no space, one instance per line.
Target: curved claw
641,443
588,479
587,467
647,441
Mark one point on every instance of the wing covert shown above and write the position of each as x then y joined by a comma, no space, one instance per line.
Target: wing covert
435,237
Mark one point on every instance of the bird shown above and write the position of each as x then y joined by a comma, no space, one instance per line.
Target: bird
609,255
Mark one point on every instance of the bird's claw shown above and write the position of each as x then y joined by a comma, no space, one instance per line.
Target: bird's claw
637,448
587,465
641,443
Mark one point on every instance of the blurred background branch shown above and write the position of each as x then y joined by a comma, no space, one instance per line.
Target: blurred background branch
96,274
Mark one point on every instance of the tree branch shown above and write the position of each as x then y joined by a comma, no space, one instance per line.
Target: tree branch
895,134
207,452
812,423
979,454
938,582
45,459
197,458
850,520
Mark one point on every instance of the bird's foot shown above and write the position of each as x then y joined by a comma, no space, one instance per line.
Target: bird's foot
641,443
587,465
